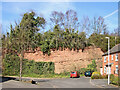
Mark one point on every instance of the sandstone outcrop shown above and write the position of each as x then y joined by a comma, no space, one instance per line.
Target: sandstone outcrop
68,60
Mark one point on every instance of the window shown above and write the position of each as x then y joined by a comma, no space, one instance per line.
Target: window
116,69
116,58
104,58
73,72
112,57
104,69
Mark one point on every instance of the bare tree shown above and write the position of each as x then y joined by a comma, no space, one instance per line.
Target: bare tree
57,18
85,25
71,20
99,26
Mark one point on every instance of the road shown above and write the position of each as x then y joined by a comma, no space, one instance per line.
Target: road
67,83
82,82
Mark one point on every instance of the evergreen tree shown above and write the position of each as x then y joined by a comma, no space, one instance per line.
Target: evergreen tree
22,37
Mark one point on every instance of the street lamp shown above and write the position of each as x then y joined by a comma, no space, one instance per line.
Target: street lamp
108,61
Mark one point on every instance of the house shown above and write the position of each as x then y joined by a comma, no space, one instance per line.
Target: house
114,57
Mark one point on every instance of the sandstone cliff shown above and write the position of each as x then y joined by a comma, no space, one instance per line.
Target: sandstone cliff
68,60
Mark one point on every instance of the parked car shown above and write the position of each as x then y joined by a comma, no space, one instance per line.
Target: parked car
74,74
96,74
88,73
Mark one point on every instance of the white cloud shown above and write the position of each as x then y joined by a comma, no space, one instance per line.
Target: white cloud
111,14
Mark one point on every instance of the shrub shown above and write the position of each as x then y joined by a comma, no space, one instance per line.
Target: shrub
82,70
113,79
96,75
10,65
66,73
104,76
92,67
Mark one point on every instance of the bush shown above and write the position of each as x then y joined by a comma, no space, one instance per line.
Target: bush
11,65
96,75
92,67
113,79
65,73
104,76
82,70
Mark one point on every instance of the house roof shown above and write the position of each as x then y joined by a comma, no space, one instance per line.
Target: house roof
115,49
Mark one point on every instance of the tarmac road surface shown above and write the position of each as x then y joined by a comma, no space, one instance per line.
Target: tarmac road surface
82,82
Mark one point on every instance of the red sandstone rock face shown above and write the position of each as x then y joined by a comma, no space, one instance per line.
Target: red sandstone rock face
67,60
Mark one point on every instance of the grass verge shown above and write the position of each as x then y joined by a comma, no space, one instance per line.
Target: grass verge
46,75
61,75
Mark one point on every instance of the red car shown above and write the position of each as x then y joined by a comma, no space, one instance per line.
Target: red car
74,74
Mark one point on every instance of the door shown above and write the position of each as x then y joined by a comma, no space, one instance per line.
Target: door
101,71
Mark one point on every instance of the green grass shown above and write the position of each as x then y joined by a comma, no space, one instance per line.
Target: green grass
46,75
82,75
61,75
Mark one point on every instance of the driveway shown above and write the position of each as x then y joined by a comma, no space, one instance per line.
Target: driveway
82,82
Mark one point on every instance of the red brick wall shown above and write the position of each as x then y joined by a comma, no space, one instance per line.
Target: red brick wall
113,68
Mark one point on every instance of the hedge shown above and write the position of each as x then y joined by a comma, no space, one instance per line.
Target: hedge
11,65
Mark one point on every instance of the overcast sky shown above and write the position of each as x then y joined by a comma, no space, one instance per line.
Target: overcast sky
13,11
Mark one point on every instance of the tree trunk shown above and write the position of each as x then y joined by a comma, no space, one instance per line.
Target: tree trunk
21,58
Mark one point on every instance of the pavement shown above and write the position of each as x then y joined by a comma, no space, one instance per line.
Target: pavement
82,82
102,83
